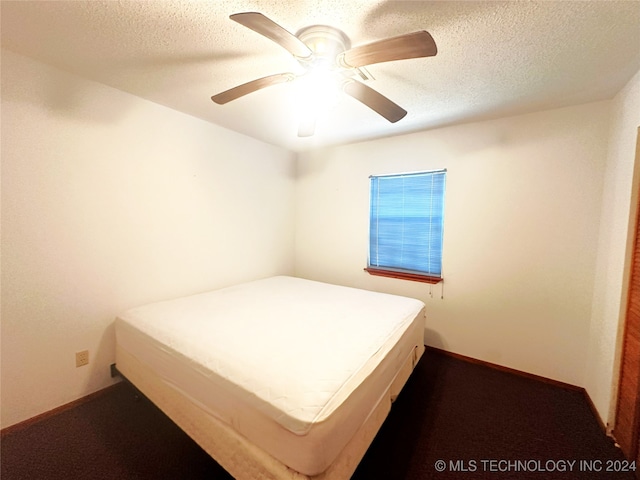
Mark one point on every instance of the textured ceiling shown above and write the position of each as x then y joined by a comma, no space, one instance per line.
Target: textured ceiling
494,58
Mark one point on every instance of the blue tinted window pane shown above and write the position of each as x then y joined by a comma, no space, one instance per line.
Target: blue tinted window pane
406,221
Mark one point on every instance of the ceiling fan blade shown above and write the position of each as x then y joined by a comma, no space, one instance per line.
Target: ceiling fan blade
412,45
268,28
374,100
250,87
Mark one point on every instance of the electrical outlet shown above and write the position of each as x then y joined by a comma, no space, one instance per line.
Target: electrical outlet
82,358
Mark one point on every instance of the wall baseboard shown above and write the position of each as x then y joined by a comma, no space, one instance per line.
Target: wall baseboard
51,413
531,376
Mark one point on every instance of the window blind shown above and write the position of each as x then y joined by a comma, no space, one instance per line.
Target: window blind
406,222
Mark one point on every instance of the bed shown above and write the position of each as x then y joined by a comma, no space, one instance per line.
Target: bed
279,378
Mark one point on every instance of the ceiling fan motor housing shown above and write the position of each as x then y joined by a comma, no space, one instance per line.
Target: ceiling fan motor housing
326,42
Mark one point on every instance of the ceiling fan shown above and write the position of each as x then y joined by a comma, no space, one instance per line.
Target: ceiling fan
325,54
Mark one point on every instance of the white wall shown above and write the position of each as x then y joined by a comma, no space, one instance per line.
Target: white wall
110,201
522,215
614,251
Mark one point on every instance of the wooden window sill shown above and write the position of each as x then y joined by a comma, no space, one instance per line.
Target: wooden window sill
416,277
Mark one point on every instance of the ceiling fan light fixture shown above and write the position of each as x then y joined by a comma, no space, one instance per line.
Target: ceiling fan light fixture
318,91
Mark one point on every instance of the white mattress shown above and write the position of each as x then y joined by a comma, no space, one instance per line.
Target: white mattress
294,366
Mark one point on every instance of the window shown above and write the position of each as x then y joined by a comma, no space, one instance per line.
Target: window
406,225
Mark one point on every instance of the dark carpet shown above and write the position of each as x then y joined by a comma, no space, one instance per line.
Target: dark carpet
468,420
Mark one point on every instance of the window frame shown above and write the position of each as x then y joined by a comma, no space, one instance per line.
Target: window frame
400,273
